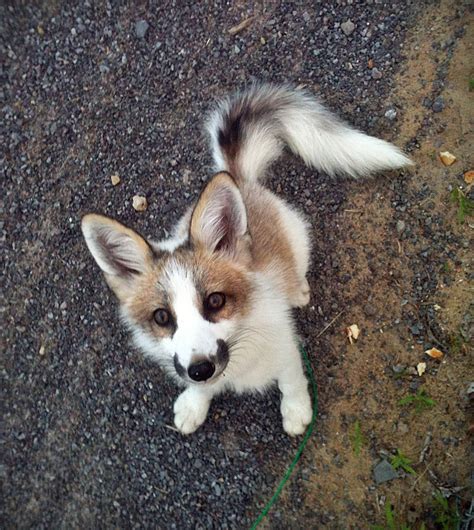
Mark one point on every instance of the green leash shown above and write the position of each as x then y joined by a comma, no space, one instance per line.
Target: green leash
302,445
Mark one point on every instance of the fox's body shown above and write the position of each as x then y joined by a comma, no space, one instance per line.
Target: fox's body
213,303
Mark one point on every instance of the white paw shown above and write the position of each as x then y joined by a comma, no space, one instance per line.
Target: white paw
296,413
190,411
302,297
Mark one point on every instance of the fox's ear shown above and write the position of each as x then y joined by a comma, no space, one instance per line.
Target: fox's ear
121,253
219,219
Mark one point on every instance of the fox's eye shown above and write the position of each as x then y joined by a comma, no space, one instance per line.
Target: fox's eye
215,301
162,317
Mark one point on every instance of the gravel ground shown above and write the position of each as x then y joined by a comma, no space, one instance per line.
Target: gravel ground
92,89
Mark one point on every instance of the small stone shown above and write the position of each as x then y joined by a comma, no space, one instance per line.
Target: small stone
139,203
115,179
383,472
400,226
42,350
217,490
399,368
391,114
103,68
376,73
348,27
438,104
402,428
141,28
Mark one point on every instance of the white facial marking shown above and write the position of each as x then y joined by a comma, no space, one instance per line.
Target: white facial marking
194,336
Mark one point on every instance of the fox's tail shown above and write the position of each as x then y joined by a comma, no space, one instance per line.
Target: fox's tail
249,130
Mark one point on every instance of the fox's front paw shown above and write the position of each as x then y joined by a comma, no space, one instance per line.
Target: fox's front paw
296,412
190,411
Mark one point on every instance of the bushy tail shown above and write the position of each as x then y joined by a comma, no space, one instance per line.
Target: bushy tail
249,130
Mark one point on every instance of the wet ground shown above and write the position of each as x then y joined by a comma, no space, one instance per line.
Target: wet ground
89,91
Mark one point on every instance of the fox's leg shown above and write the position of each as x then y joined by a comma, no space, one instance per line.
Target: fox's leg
296,409
190,408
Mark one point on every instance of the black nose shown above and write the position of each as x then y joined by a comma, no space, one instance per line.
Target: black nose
201,371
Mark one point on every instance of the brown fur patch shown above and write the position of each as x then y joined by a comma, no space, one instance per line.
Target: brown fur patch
147,296
270,244
211,273
215,273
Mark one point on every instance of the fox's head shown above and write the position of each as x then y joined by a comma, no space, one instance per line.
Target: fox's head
184,300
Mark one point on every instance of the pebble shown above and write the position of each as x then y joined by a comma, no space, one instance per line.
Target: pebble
401,226
399,368
402,428
348,27
376,73
115,179
383,472
438,104
391,114
141,28
139,203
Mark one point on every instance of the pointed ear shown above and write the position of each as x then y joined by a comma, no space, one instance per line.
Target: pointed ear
121,253
219,219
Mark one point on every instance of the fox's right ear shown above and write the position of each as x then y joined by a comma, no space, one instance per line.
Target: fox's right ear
121,253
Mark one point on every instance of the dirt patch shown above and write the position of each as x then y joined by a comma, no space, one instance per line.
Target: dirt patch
403,274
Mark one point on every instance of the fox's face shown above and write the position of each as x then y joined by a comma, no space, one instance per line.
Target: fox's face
185,306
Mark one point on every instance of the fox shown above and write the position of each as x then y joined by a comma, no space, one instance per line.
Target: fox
213,303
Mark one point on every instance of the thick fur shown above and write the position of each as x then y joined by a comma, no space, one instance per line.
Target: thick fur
241,241
249,130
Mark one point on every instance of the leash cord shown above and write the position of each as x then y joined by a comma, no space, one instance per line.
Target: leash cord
302,445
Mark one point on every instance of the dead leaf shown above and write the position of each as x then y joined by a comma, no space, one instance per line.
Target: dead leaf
239,27
353,333
421,368
469,177
447,158
370,64
40,30
115,179
42,350
434,353
139,203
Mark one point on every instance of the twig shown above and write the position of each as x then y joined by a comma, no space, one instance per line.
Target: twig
239,27
421,474
170,427
330,324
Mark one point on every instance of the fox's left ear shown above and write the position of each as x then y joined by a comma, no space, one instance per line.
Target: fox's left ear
121,253
219,219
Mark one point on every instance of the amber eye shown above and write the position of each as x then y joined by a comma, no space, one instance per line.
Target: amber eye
215,301
162,317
